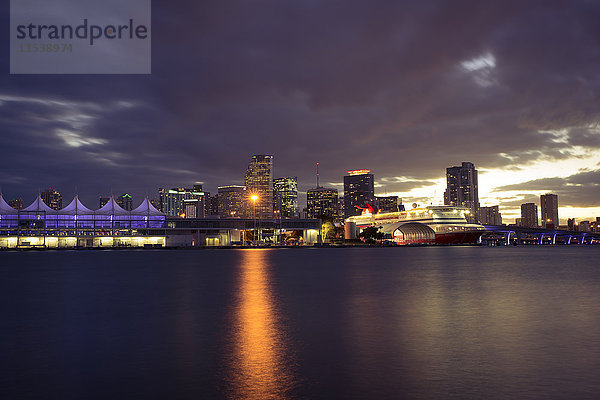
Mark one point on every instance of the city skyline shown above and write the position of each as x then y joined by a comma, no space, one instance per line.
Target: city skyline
403,89
459,192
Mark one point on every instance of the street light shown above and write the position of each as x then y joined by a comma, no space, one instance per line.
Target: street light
254,198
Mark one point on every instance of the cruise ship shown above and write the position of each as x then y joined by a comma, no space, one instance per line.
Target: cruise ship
448,223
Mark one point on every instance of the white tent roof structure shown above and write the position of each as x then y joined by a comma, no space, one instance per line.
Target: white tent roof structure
112,208
38,205
5,208
146,208
75,207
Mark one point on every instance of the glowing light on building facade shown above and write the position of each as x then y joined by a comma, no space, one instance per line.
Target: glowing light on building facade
285,196
259,181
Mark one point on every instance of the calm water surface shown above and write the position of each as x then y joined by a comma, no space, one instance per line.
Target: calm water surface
377,323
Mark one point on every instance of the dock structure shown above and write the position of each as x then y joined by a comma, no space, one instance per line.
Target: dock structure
76,226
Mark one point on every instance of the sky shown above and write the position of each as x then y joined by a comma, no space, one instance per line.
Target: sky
405,89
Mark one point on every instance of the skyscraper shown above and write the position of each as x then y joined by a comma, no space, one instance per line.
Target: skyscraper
259,181
233,200
52,198
285,196
322,202
173,200
463,189
529,215
549,209
490,215
194,207
387,203
125,201
359,189
211,204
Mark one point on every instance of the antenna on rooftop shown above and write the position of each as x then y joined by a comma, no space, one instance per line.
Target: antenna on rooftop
317,175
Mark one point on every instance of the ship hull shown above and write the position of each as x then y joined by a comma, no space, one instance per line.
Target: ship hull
469,237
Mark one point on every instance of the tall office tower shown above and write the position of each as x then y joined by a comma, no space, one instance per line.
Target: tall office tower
490,215
194,207
173,200
322,202
463,189
340,209
17,203
285,197
529,215
207,204
259,183
212,204
125,201
52,198
233,200
549,209
387,203
359,189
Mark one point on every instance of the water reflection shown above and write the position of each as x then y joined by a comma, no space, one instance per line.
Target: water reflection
260,362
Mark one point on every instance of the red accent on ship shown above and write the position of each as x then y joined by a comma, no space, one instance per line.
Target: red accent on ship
469,237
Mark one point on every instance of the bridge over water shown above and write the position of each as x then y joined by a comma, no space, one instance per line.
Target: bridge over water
503,234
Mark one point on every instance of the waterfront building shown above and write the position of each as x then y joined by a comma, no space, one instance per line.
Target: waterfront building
173,200
585,226
595,226
232,202
125,201
529,215
322,202
549,210
52,198
76,226
259,182
39,226
571,224
387,203
359,190
490,215
285,197
17,203
462,189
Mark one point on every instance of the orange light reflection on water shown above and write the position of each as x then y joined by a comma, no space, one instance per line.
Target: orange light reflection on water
259,367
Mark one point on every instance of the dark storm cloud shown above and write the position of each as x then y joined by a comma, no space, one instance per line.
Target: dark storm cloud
578,190
515,202
401,184
401,88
